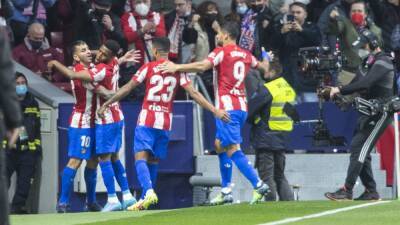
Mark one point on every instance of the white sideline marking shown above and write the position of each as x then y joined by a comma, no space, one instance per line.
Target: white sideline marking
329,212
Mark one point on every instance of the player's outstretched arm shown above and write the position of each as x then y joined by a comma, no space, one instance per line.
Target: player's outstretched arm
130,56
121,93
170,67
82,75
199,98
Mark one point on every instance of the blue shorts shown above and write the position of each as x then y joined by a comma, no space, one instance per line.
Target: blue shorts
230,133
154,141
109,137
81,143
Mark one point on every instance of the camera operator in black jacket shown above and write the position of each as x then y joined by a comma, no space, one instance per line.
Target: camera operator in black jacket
23,157
270,127
374,80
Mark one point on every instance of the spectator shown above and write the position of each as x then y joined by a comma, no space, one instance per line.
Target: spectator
94,23
35,52
343,7
292,36
140,26
26,12
270,128
257,27
23,157
348,31
182,35
238,10
210,21
387,16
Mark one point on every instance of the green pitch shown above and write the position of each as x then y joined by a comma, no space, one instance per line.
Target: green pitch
239,214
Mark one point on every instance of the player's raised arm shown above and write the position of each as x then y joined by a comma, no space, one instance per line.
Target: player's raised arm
199,98
121,93
82,75
130,56
170,67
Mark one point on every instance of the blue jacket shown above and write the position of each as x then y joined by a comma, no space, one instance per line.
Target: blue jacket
18,7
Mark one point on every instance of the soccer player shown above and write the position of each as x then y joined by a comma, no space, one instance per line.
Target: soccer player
155,119
81,135
231,64
108,129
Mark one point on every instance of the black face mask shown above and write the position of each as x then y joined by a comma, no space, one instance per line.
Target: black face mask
35,44
99,13
210,18
257,8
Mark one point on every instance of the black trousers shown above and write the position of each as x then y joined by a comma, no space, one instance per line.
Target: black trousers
3,189
271,169
23,163
367,133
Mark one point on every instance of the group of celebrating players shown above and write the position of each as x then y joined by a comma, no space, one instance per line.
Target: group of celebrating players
96,123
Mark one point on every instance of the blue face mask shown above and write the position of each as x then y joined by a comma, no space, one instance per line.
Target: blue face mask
21,89
241,9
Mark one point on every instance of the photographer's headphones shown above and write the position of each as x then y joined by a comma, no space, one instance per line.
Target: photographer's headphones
370,38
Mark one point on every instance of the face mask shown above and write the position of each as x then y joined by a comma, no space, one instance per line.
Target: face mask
210,18
257,8
363,54
241,9
357,19
21,89
35,44
142,9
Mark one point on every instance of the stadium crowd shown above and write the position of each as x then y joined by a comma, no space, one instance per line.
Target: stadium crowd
41,31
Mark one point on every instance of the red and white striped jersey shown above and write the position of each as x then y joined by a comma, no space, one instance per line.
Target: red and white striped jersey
160,93
231,65
107,75
84,111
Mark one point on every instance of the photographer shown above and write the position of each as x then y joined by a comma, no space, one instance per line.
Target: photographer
94,23
374,80
270,127
296,33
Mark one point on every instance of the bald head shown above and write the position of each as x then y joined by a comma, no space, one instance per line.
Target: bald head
36,32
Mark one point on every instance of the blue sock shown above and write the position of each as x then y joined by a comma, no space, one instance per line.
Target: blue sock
245,168
90,180
153,169
143,175
66,184
108,176
120,174
225,167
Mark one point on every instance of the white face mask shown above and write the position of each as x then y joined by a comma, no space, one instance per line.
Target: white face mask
241,9
142,9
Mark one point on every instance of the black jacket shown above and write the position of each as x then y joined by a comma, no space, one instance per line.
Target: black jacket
374,82
9,107
90,29
259,103
189,35
31,124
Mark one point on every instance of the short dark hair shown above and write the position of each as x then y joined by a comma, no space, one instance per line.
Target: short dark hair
113,46
18,75
162,44
299,4
276,65
231,28
76,44
361,2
